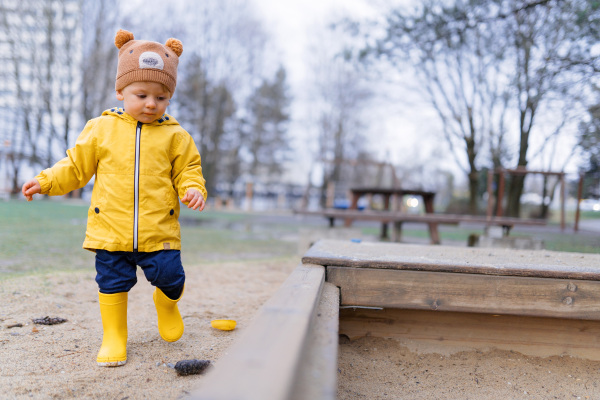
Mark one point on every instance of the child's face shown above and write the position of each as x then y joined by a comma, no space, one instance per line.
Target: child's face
144,101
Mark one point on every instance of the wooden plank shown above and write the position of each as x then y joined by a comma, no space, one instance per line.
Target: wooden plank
389,191
391,216
432,220
447,333
440,291
262,363
317,375
502,262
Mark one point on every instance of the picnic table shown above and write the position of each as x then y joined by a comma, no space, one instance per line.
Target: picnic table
393,212
398,193
357,192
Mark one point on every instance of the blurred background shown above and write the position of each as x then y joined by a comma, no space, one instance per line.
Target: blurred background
292,103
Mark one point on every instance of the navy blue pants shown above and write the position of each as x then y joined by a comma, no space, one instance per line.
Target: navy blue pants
116,271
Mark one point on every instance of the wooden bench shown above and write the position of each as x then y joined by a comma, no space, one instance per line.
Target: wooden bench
433,220
536,302
290,349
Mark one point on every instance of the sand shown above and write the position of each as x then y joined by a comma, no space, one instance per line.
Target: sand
377,368
58,361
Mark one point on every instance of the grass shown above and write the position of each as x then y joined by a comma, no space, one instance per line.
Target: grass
42,235
46,235
570,242
588,215
553,239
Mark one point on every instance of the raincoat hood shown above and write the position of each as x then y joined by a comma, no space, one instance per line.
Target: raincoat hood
119,112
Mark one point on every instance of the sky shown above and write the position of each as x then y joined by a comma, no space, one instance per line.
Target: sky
290,22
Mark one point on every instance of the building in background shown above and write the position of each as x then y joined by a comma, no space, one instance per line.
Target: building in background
40,78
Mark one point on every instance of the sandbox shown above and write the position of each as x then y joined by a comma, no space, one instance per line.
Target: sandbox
440,300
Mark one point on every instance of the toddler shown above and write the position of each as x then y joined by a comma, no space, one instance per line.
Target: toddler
144,162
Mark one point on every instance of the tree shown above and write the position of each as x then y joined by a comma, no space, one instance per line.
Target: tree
99,62
339,96
489,68
589,143
206,108
60,64
460,78
223,68
339,120
43,43
266,136
589,139
551,44
589,128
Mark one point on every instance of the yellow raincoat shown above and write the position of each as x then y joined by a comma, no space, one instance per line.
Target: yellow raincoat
142,170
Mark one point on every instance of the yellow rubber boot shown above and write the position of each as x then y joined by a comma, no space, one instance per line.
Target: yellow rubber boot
170,324
113,308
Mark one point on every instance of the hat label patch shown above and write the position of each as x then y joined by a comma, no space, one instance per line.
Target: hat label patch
150,59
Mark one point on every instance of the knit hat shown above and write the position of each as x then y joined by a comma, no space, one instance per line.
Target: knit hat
141,60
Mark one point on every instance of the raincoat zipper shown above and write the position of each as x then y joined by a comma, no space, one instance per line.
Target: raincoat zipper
136,186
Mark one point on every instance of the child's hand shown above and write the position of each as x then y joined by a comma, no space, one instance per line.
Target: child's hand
30,188
195,199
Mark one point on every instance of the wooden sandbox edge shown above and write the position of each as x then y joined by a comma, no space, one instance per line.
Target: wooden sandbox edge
266,361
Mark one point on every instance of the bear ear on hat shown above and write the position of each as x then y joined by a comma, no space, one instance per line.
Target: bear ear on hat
122,37
175,45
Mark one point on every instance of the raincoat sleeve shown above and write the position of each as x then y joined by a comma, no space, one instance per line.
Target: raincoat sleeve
187,170
76,169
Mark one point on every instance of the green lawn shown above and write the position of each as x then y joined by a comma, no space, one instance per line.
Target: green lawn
46,235
553,239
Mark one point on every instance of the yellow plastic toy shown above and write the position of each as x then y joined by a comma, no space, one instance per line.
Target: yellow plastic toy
223,324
